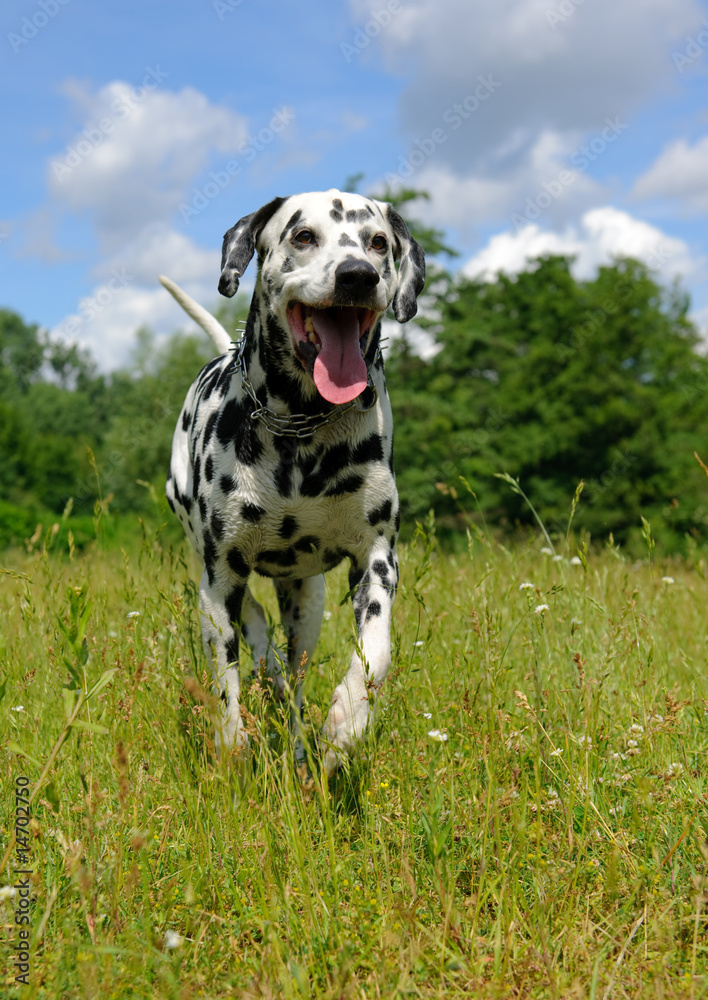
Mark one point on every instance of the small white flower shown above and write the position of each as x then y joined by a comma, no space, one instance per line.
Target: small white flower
540,608
7,892
557,752
656,719
419,643
173,940
435,734
576,561
557,559
326,615
133,614
636,728
576,621
551,793
674,769
526,586
667,579
584,741
618,756
546,551
427,715
632,743
18,708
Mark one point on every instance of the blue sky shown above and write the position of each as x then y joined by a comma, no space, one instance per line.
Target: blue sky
135,134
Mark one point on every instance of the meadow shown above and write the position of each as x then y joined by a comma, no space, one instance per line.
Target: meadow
527,819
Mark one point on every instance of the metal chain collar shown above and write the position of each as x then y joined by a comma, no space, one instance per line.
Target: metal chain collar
297,425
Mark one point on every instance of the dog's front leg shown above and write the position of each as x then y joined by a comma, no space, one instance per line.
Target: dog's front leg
301,605
354,699
221,614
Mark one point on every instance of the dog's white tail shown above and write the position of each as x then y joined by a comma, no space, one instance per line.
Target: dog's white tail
199,314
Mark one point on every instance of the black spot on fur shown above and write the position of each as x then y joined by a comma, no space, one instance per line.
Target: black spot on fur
288,527
233,604
186,420
333,557
284,473
202,509
252,512
346,241
217,526
367,398
380,568
350,484
227,484
306,543
368,450
334,460
210,555
209,469
373,610
312,485
382,513
209,427
397,522
238,563
292,221
234,424
195,477
277,557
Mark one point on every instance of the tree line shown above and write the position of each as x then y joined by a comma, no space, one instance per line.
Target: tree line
543,377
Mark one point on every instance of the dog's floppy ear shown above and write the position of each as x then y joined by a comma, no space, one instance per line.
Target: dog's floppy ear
240,244
411,268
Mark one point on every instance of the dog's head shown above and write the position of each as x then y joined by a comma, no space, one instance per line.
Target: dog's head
328,273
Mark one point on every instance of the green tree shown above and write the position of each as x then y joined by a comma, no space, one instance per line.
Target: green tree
555,380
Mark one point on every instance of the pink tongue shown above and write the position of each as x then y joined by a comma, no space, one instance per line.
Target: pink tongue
340,370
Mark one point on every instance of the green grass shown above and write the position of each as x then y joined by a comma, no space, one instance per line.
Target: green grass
554,845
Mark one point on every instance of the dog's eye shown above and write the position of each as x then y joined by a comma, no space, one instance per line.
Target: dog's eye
379,243
305,236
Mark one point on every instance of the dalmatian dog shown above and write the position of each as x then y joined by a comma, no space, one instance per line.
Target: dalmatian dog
282,459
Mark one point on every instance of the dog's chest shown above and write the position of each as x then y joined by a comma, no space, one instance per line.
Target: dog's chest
288,507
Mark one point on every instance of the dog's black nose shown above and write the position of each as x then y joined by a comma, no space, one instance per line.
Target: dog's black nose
355,278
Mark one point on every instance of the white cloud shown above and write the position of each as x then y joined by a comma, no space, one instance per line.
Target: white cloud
604,59
136,154
466,202
680,173
603,234
128,295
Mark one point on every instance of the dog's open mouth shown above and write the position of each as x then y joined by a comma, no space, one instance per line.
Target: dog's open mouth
331,344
